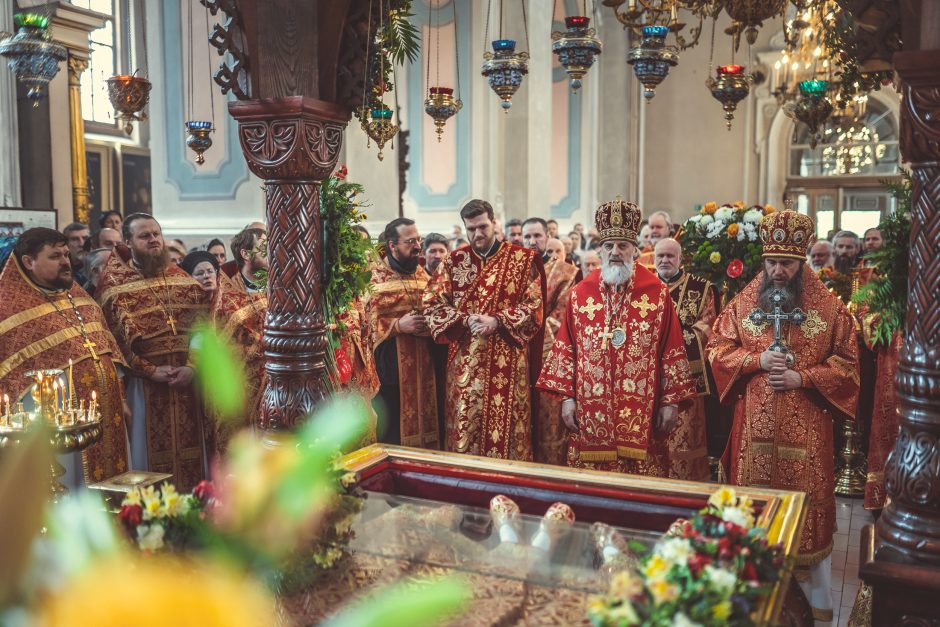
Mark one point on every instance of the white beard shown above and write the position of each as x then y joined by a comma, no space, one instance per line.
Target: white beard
617,275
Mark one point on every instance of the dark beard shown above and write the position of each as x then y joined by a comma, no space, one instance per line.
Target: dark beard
844,265
153,264
792,293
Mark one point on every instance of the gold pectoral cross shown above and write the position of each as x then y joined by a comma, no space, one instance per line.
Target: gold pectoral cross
170,320
91,348
606,335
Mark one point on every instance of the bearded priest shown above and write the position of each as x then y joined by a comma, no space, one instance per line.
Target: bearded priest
486,300
785,399
619,360
150,305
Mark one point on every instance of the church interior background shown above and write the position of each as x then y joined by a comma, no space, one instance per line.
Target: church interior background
555,153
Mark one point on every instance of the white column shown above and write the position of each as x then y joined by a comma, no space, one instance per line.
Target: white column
9,131
539,109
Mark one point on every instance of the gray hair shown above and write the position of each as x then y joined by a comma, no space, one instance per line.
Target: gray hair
848,234
95,258
662,214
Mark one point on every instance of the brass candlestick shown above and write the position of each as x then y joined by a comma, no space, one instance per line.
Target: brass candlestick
850,477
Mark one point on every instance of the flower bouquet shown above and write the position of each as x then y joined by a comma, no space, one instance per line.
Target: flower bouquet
838,284
158,518
711,570
722,244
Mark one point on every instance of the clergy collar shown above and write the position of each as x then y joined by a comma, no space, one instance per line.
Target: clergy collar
399,267
673,278
250,285
546,257
492,251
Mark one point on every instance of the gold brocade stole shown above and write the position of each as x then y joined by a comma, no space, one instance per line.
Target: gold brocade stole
688,294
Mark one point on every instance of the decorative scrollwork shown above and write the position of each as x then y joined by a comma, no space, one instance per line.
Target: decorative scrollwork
274,152
229,39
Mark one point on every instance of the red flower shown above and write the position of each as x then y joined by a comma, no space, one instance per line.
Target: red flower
131,515
204,491
698,562
341,173
750,572
344,368
735,268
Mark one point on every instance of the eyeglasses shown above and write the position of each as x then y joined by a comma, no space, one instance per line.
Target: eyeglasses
411,242
204,273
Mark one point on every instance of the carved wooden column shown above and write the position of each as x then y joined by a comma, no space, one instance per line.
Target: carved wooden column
297,69
292,143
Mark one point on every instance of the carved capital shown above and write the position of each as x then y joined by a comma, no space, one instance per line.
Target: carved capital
290,138
76,65
920,111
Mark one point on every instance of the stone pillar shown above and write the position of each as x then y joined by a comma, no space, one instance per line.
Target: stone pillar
80,197
909,528
292,143
9,131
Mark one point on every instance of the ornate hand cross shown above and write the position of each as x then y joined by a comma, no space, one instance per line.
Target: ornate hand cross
777,316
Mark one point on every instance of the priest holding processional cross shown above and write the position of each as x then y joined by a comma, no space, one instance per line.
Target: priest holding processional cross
783,353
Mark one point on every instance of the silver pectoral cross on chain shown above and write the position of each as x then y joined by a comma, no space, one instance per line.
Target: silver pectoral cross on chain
777,316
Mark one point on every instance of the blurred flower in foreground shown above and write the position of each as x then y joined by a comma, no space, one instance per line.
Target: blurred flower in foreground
158,592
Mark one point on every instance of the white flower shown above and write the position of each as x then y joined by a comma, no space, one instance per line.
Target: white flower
706,220
725,214
694,219
676,551
753,216
721,580
737,516
681,620
150,537
742,235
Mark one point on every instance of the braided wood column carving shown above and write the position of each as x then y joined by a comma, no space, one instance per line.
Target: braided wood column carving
909,529
293,144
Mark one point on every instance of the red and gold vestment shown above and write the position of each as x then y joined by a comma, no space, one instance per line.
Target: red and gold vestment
620,355
551,435
239,315
394,295
647,258
697,309
489,379
151,321
884,414
41,330
784,439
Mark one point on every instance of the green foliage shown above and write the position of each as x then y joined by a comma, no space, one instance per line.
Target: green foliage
840,38
413,604
220,374
886,294
397,41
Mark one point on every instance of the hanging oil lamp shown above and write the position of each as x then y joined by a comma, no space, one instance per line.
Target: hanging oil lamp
576,48
441,106
32,54
381,128
504,69
129,95
729,88
652,59
813,107
197,138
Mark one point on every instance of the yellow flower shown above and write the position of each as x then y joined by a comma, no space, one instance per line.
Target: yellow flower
173,501
132,497
715,257
656,567
662,591
709,208
722,497
722,610
625,584
739,204
768,209
159,593
733,229
153,506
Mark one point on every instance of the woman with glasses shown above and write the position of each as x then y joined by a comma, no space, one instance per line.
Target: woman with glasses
202,266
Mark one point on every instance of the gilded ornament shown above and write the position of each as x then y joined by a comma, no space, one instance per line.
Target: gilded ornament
813,325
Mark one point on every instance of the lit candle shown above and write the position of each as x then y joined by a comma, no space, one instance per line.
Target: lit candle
94,405
55,401
71,385
6,414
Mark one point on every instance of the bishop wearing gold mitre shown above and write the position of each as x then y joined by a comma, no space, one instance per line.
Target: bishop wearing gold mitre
486,301
150,305
238,311
47,321
618,360
783,352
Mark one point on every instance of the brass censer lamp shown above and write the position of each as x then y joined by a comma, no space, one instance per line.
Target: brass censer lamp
381,128
576,48
72,426
129,95
32,54
197,138
729,88
441,106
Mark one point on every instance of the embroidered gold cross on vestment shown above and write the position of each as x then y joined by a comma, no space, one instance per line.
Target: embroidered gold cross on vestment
590,308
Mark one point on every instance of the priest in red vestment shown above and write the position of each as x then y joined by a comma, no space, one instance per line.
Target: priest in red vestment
884,413
785,400
150,305
487,301
618,360
46,320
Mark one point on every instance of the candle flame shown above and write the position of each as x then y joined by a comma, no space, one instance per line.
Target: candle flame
94,395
